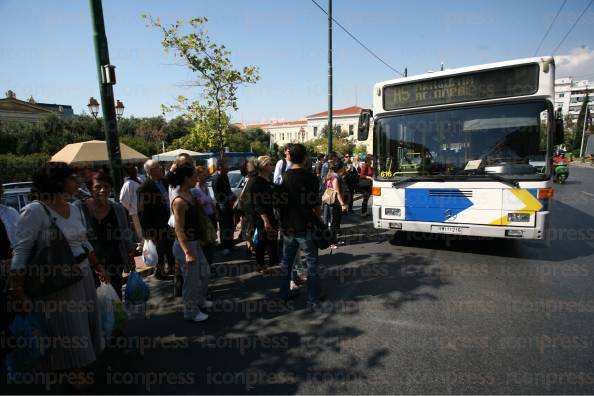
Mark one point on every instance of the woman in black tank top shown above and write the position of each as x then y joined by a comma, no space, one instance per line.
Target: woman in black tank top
189,231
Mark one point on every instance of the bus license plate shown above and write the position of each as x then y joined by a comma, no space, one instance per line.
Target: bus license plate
448,229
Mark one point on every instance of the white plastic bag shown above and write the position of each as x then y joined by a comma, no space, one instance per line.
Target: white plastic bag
106,295
149,253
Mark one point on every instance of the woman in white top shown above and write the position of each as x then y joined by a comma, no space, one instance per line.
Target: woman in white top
53,185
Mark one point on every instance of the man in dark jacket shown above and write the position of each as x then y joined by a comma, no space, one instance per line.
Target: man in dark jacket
153,212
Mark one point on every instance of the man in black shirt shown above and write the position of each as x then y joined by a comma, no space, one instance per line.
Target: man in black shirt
225,198
298,211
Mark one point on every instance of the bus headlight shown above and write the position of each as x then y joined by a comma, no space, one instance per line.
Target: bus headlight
518,217
395,212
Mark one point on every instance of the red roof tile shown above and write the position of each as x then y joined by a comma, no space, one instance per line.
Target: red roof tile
353,110
277,124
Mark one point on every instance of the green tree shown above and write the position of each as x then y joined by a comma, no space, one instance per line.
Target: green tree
253,139
146,147
340,142
215,75
360,149
176,128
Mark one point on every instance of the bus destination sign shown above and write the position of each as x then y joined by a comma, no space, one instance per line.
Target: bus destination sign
469,87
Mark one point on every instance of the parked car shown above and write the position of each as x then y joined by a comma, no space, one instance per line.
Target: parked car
15,196
237,181
8,186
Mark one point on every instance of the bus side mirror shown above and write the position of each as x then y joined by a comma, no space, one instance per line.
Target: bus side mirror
559,129
363,126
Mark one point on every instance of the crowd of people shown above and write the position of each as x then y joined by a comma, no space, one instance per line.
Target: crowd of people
278,207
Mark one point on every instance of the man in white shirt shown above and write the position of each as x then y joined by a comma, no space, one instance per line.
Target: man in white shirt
129,199
282,166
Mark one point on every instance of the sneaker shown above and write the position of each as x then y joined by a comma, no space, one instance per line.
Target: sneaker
200,317
293,286
226,252
207,304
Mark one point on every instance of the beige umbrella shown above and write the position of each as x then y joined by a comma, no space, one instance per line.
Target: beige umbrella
171,155
94,152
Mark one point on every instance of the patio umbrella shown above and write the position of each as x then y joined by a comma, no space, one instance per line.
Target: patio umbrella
170,155
94,152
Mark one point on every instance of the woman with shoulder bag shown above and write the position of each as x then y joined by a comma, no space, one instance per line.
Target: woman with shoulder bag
109,228
334,196
52,218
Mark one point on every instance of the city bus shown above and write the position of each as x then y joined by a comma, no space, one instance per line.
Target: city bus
465,151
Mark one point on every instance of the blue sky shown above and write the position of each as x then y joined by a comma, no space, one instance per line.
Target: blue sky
47,48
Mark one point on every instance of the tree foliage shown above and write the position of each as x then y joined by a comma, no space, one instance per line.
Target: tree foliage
52,133
215,76
19,168
340,142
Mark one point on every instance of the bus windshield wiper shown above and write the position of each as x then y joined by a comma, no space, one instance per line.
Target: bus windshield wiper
410,179
510,182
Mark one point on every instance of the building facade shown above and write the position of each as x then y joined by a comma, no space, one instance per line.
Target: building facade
570,95
310,127
16,110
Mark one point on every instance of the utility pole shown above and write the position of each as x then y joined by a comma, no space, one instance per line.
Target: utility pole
106,76
585,123
330,132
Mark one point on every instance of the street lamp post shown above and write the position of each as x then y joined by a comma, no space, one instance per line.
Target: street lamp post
329,76
106,77
119,109
93,107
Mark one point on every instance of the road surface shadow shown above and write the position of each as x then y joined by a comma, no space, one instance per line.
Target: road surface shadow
251,344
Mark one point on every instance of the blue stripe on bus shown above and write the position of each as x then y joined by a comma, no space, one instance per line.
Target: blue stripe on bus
421,206
544,203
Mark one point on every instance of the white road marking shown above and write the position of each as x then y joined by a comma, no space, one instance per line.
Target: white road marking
588,194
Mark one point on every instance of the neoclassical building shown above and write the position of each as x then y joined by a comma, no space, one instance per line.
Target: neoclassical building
13,109
311,126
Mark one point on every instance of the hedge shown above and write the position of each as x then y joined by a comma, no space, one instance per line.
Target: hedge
20,168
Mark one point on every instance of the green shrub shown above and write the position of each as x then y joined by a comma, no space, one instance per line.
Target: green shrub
19,168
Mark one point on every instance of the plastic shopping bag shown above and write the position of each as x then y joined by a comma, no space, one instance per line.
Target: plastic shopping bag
106,295
149,253
137,292
29,331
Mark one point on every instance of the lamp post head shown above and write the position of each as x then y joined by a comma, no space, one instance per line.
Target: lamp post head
119,108
93,106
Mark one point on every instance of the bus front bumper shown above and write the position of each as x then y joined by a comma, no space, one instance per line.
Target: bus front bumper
477,230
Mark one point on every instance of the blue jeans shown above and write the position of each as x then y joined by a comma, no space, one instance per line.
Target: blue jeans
304,242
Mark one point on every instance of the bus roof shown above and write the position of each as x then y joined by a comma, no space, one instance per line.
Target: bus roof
467,69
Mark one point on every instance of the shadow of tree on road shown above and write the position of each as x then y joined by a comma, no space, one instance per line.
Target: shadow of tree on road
252,344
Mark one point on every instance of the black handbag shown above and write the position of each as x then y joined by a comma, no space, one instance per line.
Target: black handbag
322,235
52,267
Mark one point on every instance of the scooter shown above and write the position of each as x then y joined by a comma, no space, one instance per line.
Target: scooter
561,172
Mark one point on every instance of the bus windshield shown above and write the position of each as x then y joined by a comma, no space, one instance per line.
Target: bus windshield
510,140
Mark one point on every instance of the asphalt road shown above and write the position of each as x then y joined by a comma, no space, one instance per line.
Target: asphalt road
403,315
